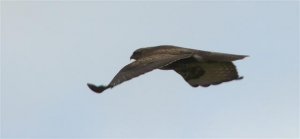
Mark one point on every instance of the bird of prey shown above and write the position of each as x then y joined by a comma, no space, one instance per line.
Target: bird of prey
197,67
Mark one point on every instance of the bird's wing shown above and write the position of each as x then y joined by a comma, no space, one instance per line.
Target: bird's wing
139,67
215,56
144,65
208,73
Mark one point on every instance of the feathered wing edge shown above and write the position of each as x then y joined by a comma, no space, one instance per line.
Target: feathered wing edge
138,68
216,56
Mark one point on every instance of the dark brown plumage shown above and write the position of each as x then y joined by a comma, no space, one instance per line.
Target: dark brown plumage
198,68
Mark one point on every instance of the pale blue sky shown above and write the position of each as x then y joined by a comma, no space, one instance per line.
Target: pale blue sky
50,50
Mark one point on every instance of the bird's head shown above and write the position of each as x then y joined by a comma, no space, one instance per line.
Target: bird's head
144,52
137,54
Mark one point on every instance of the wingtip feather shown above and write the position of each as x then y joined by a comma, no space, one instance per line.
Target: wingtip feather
97,89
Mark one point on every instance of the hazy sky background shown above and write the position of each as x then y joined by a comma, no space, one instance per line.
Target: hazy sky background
50,50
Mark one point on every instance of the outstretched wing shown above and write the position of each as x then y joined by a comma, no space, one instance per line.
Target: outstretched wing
215,56
208,73
144,65
140,67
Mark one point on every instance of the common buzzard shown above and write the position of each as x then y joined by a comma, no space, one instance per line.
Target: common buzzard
198,68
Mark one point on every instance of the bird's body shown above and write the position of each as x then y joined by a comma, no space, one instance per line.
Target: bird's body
198,68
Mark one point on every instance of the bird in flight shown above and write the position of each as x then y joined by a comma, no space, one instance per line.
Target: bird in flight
197,67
